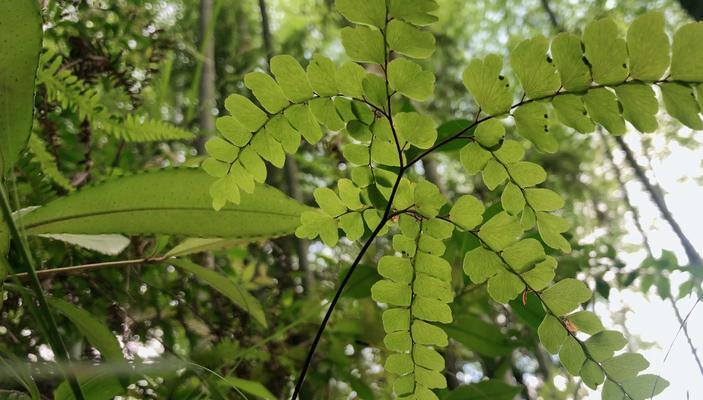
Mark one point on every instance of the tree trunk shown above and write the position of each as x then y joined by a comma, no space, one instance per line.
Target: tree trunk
206,96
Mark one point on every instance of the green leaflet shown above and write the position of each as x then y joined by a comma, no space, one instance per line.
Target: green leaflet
625,366
648,47
221,149
375,91
93,329
428,199
532,122
292,78
266,90
227,287
511,151
481,264
487,86
467,212
603,107
606,51
494,174
410,79
168,201
504,287
687,53
364,44
19,57
329,202
245,112
591,374
500,231
527,174
419,130
603,345
586,321
512,199
572,356
414,11
326,113
569,59
322,75
349,79
523,254
543,199
681,104
565,296
474,158
550,228
489,133
233,130
543,272
537,75
408,40
368,12
302,119
314,224
641,387
571,112
639,105
551,334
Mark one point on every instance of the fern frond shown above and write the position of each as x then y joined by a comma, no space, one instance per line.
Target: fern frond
141,129
47,162
64,88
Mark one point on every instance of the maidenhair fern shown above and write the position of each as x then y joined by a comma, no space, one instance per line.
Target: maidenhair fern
599,78
417,288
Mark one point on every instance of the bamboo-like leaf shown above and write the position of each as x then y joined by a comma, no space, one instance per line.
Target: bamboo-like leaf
93,329
19,56
224,285
168,201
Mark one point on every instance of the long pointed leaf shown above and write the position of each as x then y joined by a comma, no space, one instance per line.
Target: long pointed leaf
93,329
166,201
21,26
224,285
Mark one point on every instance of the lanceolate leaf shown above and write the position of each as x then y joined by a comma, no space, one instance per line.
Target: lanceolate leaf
227,287
93,329
168,201
20,46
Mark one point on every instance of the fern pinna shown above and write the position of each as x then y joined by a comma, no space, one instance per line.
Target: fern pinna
598,78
